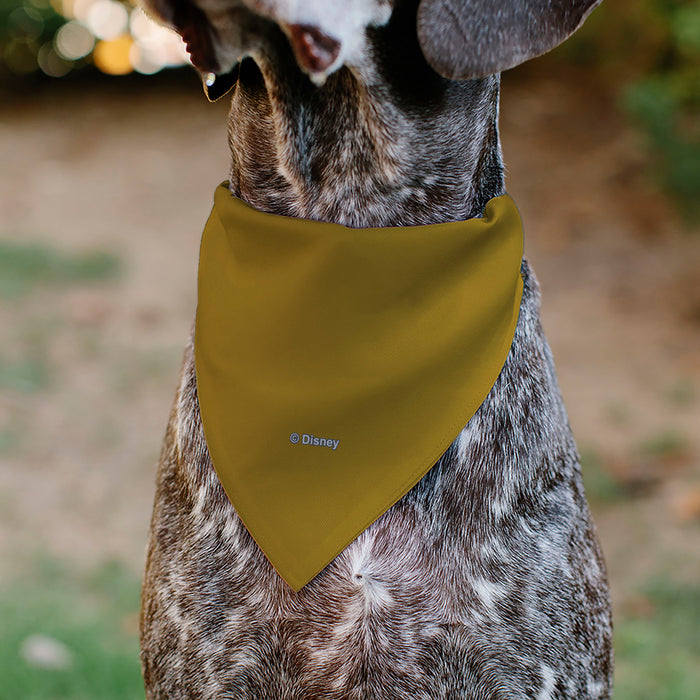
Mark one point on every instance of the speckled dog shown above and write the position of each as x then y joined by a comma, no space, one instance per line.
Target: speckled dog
486,579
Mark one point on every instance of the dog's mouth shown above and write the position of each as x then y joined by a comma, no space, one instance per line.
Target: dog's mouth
315,52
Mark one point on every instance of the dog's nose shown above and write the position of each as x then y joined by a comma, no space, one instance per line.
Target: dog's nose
314,50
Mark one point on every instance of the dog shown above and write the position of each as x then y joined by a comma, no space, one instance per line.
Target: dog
486,579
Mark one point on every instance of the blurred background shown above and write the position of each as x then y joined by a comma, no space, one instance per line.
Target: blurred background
109,155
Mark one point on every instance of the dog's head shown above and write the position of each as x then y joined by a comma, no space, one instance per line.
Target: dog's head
460,39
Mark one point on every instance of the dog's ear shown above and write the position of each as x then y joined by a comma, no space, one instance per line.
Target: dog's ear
191,23
473,38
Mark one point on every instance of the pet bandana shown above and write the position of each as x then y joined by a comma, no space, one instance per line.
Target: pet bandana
335,365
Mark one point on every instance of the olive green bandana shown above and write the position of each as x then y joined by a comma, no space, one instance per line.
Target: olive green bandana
335,365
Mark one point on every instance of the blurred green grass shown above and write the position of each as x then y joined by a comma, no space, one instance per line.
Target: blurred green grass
26,266
25,375
658,648
93,616
602,487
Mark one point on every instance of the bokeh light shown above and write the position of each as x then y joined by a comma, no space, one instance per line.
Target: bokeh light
74,41
58,36
20,55
112,56
52,63
107,19
26,20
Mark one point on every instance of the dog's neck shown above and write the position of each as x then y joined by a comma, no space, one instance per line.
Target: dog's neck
390,144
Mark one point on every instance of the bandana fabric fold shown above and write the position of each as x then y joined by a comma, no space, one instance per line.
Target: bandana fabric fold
336,365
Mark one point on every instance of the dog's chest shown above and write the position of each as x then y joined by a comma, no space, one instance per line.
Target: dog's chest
478,583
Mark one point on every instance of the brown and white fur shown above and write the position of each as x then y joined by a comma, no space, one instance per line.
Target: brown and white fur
486,579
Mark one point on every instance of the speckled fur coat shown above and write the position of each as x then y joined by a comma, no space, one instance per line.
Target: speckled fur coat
486,580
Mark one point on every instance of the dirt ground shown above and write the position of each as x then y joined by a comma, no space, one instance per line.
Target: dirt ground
132,171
